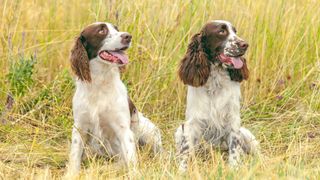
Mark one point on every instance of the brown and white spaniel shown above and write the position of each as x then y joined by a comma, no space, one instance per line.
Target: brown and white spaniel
213,68
105,118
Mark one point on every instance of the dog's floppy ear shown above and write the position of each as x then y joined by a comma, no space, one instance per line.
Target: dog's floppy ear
80,60
194,68
239,74
245,70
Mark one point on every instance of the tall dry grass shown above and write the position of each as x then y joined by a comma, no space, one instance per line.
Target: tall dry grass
281,102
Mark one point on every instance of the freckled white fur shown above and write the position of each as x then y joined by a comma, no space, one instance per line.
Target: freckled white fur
231,40
213,113
101,114
217,100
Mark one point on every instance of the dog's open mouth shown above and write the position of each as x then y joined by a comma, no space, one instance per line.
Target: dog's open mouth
236,62
118,57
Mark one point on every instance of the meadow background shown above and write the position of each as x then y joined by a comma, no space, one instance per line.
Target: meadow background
280,105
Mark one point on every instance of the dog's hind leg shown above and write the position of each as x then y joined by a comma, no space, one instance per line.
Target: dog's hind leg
146,132
249,143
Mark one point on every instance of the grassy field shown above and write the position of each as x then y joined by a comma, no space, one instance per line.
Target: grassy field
281,100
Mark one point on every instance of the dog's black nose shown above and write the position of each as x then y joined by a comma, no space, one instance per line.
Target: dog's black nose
126,38
243,45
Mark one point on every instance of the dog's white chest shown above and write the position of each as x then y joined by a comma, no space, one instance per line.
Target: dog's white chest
221,91
104,102
218,99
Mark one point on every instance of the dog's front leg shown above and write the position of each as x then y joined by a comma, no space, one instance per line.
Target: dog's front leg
125,145
77,146
234,143
187,138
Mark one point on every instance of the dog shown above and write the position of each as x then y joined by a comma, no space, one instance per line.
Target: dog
105,118
213,68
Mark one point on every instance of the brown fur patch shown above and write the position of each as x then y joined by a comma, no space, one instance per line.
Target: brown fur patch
195,67
122,69
80,61
132,107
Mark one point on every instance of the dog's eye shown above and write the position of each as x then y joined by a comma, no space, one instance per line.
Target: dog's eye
222,32
102,31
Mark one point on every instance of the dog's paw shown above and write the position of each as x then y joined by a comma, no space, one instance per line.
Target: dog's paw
234,164
71,175
183,167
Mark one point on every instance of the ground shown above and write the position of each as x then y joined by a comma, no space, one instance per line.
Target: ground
280,103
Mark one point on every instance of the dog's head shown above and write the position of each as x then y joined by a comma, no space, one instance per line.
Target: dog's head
220,40
101,42
218,43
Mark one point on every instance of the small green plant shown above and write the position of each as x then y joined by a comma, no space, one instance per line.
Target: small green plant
20,76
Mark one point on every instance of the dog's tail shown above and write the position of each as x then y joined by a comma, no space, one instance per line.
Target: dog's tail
249,143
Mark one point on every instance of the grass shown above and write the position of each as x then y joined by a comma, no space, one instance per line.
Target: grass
281,100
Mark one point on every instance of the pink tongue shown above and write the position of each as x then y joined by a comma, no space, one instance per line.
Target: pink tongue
104,55
121,56
237,63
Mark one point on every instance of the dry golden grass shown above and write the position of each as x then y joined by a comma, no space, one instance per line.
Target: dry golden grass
281,102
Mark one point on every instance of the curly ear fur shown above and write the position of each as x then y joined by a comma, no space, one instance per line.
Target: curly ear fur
195,67
239,74
80,61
